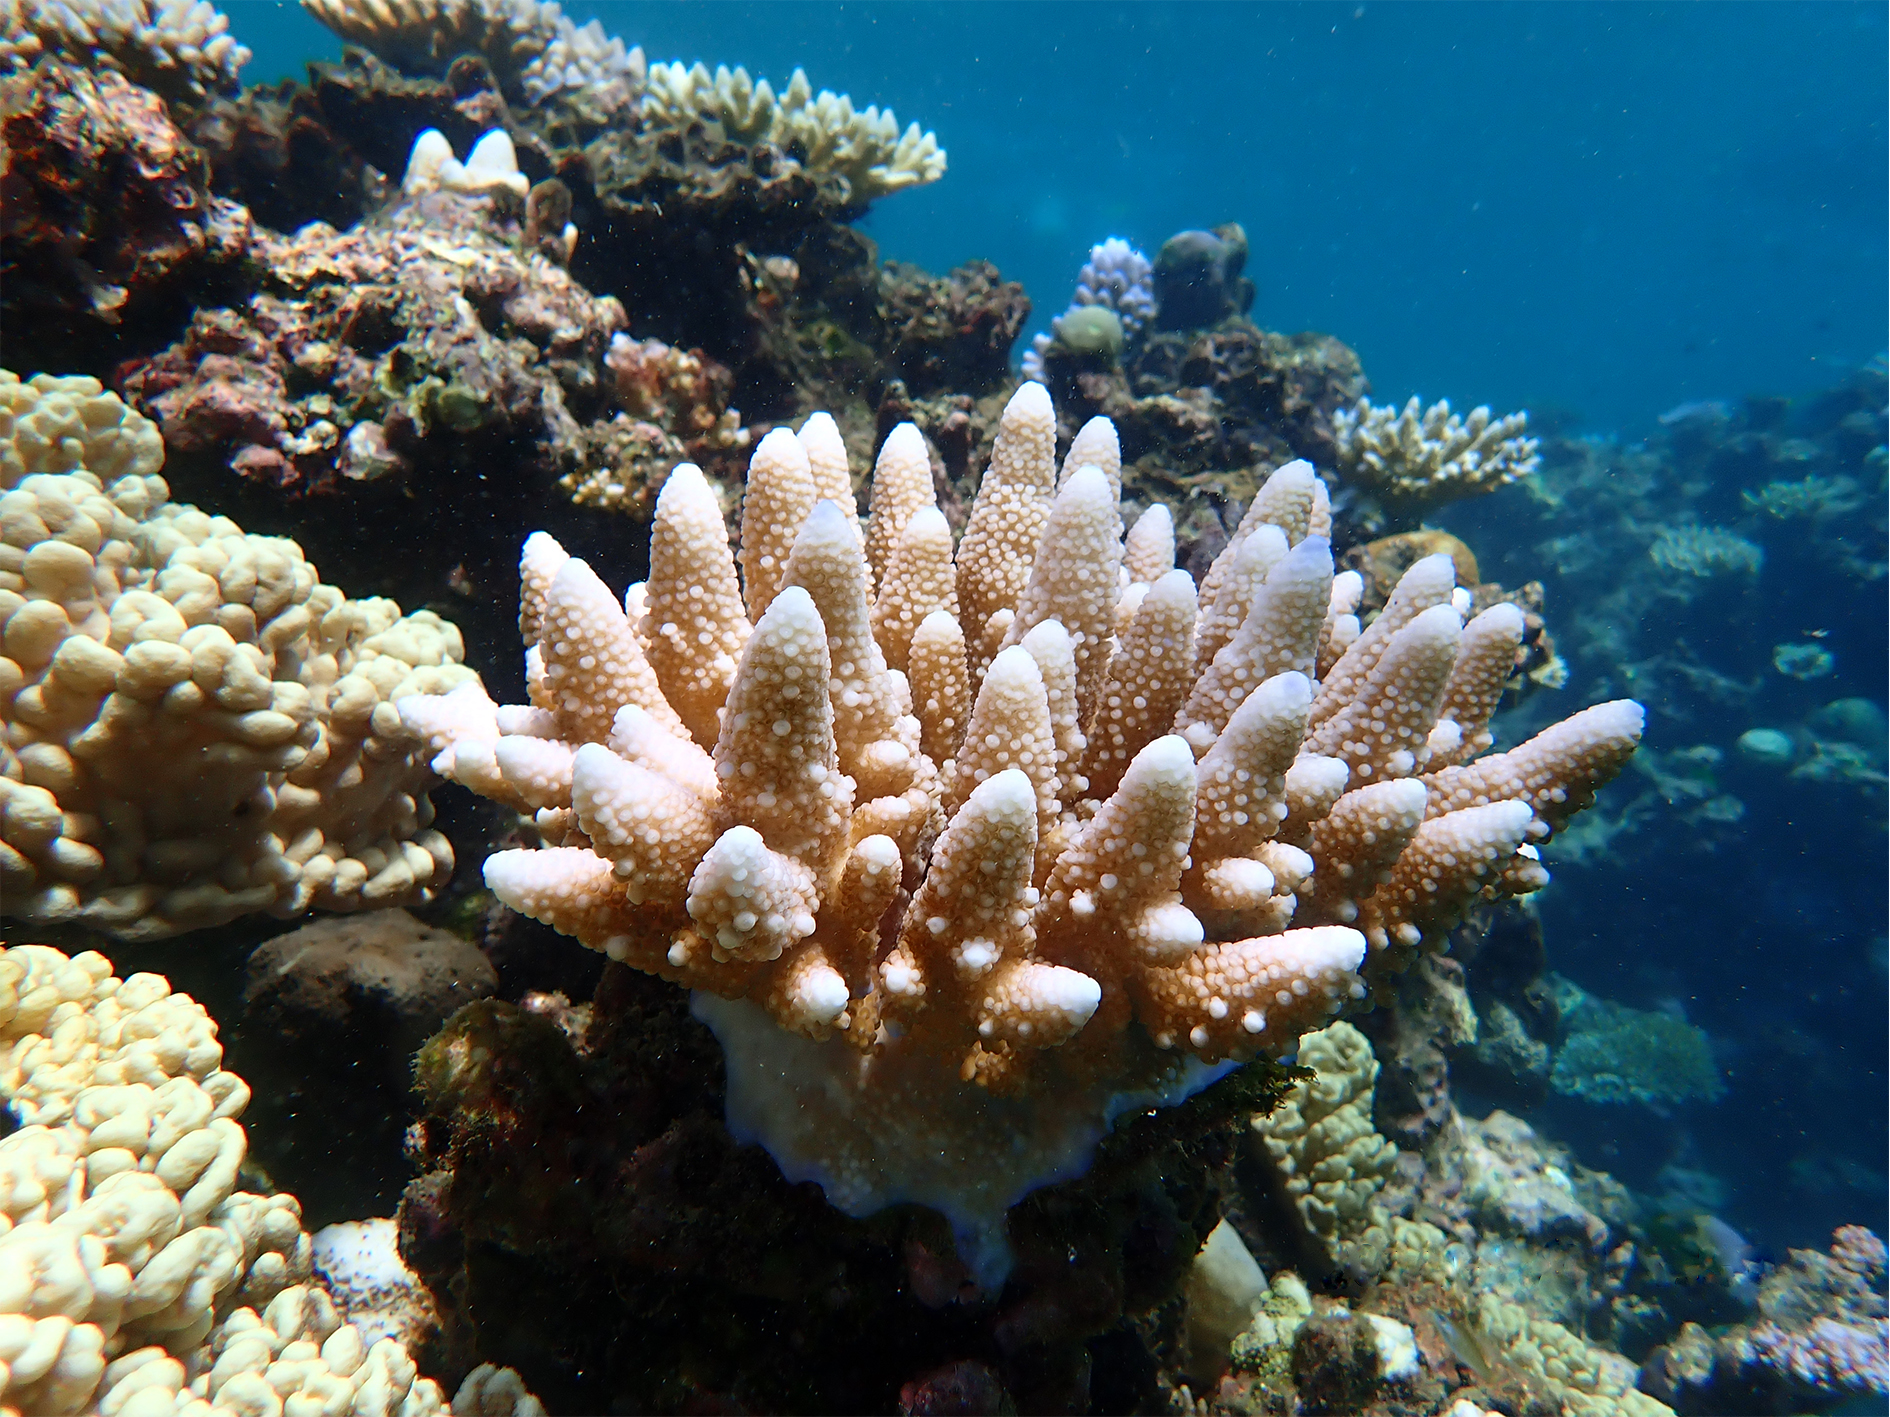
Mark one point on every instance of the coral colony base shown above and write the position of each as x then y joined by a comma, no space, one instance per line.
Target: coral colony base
964,853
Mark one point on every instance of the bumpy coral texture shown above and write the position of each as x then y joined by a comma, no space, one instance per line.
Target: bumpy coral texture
1432,457
981,907
180,48
1329,1158
865,147
1118,278
1586,1380
195,727
134,1275
535,51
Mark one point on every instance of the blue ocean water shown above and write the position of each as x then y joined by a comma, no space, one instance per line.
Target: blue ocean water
1596,212
1601,209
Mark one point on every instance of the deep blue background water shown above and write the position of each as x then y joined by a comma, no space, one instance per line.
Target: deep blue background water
1605,210
1608,209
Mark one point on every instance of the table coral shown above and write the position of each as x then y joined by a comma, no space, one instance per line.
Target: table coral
180,48
977,942
1407,459
1616,1054
195,726
821,131
537,54
1702,552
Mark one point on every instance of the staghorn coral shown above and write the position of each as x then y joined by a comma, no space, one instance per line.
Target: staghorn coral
970,933
1407,459
178,48
1330,1162
822,131
535,52
195,726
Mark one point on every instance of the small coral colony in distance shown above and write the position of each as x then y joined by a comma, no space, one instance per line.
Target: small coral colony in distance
975,894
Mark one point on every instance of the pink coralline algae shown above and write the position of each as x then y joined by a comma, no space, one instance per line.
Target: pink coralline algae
675,405
395,349
1831,1356
1822,1337
107,207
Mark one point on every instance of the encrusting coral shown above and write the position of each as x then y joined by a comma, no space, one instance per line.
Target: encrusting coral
865,147
195,727
135,1277
911,920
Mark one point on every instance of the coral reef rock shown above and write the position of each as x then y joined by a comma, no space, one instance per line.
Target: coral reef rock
332,1015
1820,1340
195,726
582,1206
998,842
108,220
392,352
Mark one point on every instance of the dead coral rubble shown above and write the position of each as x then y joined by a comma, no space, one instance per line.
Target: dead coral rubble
393,350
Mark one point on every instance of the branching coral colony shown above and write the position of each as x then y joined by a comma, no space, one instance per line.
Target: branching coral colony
967,853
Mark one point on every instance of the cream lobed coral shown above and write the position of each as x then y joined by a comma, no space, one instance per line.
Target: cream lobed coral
134,1275
1587,1381
1432,457
535,51
1331,1161
175,47
194,726
1073,852
865,147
